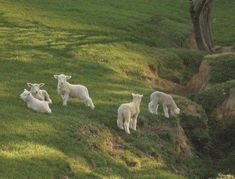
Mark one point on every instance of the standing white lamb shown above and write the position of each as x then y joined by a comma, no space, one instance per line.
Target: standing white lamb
66,90
128,113
34,103
167,102
38,93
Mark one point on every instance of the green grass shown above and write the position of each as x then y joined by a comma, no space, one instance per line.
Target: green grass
223,22
222,68
106,46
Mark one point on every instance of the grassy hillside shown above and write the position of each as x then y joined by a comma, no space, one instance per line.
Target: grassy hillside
223,22
105,45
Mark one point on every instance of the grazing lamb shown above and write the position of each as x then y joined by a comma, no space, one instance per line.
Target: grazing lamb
38,93
167,102
34,103
128,113
66,90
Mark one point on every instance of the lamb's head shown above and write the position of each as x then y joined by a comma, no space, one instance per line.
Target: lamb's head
177,110
25,95
137,97
62,78
35,88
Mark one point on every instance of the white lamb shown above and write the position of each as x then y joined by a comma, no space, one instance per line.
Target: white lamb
128,113
66,90
34,103
167,102
38,93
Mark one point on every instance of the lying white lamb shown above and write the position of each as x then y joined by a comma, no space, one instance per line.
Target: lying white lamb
128,113
38,93
66,90
34,103
167,102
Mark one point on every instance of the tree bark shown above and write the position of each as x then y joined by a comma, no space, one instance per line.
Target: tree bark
200,14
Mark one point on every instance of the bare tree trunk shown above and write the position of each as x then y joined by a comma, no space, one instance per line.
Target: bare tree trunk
200,14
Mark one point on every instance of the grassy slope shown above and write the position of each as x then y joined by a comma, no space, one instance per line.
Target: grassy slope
104,45
42,39
223,22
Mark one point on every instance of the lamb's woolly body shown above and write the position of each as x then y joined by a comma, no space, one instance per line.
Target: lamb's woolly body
38,93
166,100
35,104
128,114
66,90
42,95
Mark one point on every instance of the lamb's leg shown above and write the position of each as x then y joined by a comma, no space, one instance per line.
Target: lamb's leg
47,97
134,122
165,109
156,109
127,118
126,127
120,121
65,98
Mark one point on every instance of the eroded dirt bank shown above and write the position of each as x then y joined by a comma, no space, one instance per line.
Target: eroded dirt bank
197,83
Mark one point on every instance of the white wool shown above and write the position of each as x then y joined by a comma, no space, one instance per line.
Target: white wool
67,90
34,103
167,102
38,93
128,113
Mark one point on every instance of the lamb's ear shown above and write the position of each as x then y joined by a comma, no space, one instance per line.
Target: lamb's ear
132,94
41,84
29,84
25,90
141,95
68,77
56,76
